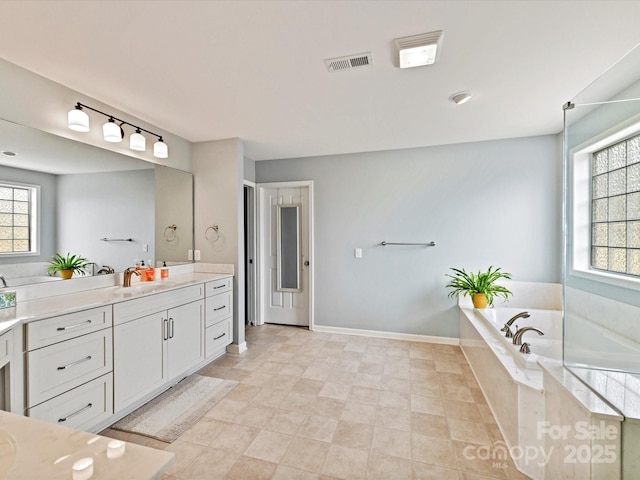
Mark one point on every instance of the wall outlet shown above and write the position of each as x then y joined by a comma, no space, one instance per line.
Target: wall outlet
189,254
357,253
196,255
145,247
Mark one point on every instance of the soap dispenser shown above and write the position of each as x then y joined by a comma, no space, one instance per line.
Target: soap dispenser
164,271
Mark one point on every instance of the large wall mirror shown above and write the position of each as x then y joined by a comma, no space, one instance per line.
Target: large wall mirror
111,209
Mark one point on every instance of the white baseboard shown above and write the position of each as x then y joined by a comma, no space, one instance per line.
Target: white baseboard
237,347
390,335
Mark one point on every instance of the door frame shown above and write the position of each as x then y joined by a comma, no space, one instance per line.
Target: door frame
261,281
251,297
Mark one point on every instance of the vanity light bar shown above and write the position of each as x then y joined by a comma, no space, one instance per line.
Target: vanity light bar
78,120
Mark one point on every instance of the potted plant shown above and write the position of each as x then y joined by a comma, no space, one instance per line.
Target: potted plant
67,265
481,286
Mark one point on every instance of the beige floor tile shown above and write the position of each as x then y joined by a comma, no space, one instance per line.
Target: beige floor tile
395,418
292,370
430,425
300,402
423,471
211,464
335,390
394,384
470,432
226,410
425,388
432,450
359,413
204,432
342,377
251,468
355,435
396,371
285,421
385,467
269,446
243,393
255,415
185,454
369,396
288,473
456,392
346,463
368,380
391,442
318,428
308,387
395,400
462,410
328,407
270,397
306,454
470,459
430,404
371,368
235,438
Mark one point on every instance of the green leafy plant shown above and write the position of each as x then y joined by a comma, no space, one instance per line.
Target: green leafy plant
74,263
469,283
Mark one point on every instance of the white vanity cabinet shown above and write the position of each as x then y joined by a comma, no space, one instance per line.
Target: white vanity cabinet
156,340
219,316
69,360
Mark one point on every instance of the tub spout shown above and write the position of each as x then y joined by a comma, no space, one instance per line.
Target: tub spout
517,338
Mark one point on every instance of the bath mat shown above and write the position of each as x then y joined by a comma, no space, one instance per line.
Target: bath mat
168,415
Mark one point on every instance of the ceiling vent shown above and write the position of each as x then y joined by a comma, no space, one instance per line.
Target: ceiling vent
349,62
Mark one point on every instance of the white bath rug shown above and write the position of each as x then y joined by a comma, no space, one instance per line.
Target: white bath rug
168,415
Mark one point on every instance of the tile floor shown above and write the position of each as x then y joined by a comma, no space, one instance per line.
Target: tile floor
327,406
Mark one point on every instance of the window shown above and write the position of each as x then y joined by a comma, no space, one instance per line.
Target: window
615,207
18,233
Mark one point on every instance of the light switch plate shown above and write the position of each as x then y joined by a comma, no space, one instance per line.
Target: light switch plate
357,253
189,254
196,255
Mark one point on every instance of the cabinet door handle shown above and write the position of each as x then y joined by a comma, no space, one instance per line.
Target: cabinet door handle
219,286
218,338
171,327
78,412
73,364
69,327
166,330
219,308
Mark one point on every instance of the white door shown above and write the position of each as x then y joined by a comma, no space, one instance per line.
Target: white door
283,304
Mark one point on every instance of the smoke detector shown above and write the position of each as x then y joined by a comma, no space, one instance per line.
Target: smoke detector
419,50
349,62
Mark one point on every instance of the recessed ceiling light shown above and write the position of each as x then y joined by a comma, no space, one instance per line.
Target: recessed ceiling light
9,154
419,50
460,97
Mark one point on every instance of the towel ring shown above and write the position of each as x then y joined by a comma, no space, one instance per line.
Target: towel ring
170,233
215,229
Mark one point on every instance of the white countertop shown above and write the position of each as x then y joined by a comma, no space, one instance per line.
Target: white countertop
37,309
32,449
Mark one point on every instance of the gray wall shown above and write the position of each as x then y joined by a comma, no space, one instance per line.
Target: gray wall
487,203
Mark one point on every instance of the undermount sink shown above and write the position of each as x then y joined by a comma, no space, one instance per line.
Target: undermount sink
142,288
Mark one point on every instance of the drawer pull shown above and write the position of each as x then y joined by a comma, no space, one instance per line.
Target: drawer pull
62,329
166,329
218,338
170,327
219,308
78,412
73,364
220,286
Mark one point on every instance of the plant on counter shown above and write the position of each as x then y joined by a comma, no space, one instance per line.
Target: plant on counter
481,286
67,265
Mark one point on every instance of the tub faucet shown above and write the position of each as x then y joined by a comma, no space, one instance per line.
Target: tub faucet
126,276
517,338
507,325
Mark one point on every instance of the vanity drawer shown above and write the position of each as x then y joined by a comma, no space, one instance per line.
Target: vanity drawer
55,369
219,286
149,304
56,329
218,336
82,408
218,307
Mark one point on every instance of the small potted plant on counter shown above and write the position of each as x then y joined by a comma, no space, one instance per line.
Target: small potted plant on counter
67,265
481,286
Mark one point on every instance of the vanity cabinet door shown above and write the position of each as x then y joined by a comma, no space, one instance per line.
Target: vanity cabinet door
186,337
140,358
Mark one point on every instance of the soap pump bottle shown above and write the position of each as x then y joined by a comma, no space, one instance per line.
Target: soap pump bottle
143,272
151,272
164,271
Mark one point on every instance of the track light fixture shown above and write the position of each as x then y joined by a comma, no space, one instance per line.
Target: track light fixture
78,120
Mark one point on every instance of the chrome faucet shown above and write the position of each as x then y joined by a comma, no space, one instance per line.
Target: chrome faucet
126,276
4,282
517,337
106,269
507,325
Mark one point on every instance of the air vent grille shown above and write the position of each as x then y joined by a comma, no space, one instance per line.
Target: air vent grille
349,62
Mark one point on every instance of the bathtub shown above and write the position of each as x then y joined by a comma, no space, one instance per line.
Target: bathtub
547,346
